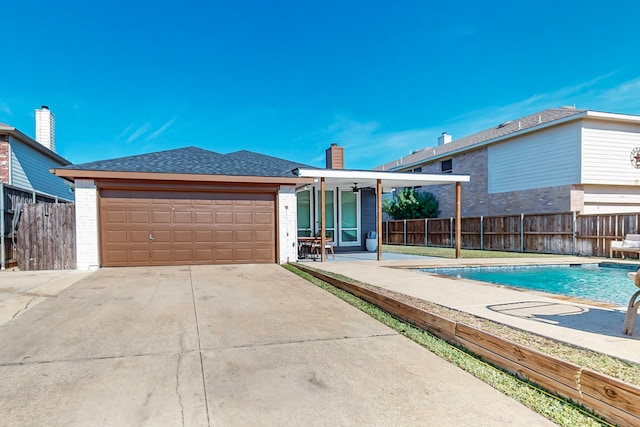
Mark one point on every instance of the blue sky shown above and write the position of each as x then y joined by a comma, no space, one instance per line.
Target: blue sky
287,78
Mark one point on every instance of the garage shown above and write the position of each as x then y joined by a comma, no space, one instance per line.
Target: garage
140,228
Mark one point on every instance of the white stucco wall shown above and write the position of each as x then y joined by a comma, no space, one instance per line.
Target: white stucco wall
287,224
87,250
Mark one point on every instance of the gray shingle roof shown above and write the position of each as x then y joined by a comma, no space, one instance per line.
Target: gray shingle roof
502,130
194,160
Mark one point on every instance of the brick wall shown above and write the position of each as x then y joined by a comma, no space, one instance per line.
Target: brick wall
475,200
87,250
474,193
4,160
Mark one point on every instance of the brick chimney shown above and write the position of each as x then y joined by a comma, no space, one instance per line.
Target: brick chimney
335,156
46,128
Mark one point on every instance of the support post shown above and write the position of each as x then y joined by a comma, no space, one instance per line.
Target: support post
458,220
575,233
379,219
323,220
404,232
481,232
521,233
426,228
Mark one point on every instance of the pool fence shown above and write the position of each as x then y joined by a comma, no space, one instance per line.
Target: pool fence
564,233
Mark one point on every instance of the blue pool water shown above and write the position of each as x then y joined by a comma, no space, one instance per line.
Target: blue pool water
589,281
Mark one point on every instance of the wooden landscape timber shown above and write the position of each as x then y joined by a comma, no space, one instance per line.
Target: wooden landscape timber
614,400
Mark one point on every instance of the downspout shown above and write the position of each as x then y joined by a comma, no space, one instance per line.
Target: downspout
379,219
323,220
458,224
3,249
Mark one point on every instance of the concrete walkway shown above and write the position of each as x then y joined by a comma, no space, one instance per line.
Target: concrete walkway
594,326
225,345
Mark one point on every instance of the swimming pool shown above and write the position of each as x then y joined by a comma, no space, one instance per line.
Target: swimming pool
605,283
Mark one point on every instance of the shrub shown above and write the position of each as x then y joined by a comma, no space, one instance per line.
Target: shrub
412,204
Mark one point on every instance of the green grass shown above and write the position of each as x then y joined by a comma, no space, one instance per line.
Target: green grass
465,253
558,410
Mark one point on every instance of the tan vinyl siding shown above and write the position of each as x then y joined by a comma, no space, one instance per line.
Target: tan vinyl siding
606,153
611,199
548,158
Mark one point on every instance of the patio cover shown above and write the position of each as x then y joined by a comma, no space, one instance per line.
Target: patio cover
382,182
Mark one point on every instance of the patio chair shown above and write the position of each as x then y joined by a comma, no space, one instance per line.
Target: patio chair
328,246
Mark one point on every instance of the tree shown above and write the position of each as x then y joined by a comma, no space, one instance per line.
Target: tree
411,204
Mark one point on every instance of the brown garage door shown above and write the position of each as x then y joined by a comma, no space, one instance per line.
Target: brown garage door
170,228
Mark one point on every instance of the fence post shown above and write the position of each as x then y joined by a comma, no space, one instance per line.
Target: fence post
521,233
481,233
387,228
575,233
404,232
451,232
426,240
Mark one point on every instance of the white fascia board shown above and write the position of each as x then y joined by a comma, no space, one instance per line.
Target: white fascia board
613,116
388,178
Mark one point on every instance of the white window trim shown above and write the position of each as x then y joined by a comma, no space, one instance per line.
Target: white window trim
311,207
336,222
358,241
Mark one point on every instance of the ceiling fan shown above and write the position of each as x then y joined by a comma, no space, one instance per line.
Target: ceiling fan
355,188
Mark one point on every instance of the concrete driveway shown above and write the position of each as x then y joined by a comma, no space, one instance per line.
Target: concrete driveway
225,345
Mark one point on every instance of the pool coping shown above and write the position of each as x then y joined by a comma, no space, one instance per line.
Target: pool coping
562,297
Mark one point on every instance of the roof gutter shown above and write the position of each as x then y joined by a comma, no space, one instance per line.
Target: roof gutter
35,145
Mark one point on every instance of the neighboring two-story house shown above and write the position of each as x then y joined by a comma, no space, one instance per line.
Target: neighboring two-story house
24,173
556,160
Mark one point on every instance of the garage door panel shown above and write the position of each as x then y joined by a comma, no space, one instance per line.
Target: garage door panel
263,218
187,228
223,256
223,236
243,218
204,218
243,236
160,236
138,256
138,236
262,254
183,255
262,236
116,217
183,236
182,218
203,236
224,217
158,217
138,217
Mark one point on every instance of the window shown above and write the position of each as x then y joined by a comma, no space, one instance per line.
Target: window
304,213
349,218
329,207
416,170
446,166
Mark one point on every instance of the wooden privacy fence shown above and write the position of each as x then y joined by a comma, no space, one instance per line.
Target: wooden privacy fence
47,237
558,233
611,398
